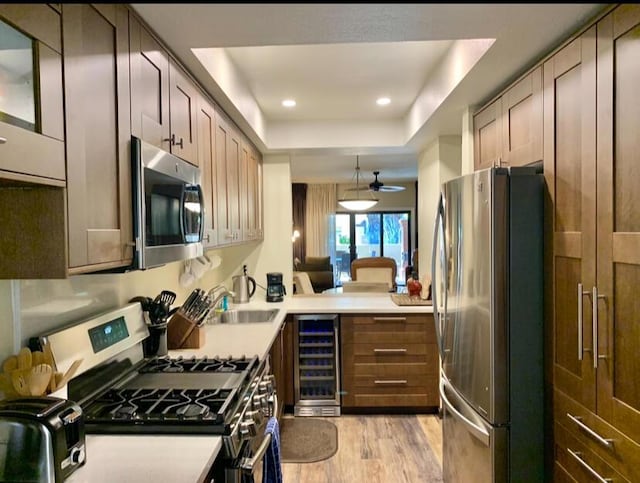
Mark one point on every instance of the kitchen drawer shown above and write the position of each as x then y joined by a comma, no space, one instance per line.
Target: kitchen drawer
575,460
623,454
399,370
387,352
390,400
412,328
377,384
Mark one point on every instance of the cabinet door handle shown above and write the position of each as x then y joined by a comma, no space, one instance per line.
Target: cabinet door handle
594,303
391,381
3,140
390,319
581,294
578,457
608,443
389,350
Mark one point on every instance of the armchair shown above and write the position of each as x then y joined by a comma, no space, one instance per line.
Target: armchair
320,271
375,270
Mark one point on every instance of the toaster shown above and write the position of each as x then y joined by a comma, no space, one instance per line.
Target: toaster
41,439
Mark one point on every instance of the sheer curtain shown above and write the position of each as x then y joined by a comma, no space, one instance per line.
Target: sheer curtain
320,220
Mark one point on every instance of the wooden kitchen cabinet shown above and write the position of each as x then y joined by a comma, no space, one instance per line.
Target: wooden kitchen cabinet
487,136
206,126
97,107
228,159
389,361
596,222
149,63
183,107
508,132
281,356
32,131
250,204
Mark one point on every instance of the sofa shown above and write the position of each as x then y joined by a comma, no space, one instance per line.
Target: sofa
320,271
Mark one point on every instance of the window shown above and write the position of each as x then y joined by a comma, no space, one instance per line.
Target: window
372,234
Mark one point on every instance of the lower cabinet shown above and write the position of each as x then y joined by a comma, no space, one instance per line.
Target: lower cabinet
281,356
389,361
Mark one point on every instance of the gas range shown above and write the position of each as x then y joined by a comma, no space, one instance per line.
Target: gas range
121,392
174,395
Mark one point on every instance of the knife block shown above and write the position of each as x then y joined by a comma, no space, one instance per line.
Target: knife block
184,333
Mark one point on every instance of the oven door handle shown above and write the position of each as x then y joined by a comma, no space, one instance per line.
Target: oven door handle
247,464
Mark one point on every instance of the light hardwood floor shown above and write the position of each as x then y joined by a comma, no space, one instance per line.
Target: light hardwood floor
377,448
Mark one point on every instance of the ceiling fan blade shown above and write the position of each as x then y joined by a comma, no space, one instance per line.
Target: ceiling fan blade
391,189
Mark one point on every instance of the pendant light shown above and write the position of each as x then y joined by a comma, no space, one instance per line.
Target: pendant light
357,204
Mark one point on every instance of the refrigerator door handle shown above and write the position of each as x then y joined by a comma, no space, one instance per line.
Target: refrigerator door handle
476,430
439,317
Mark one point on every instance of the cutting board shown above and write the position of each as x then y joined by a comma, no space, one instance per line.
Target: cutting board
405,299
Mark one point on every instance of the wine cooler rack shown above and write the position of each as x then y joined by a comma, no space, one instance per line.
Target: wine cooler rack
317,369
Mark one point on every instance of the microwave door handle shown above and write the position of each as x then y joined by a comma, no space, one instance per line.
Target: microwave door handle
202,208
183,207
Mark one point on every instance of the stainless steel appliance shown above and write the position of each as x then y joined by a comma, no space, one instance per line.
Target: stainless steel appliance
275,287
487,279
41,439
244,287
316,365
121,392
168,207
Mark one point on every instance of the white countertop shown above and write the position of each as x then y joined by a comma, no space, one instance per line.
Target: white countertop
171,458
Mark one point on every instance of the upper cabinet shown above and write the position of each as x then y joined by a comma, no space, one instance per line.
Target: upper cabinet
206,135
508,132
149,64
97,106
228,160
592,108
31,112
183,107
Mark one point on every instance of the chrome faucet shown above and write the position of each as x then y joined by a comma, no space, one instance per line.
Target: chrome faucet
217,298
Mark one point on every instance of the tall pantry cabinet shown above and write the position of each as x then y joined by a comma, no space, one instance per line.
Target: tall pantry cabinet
592,164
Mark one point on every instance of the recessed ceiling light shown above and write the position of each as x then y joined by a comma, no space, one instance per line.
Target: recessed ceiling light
289,103
383,101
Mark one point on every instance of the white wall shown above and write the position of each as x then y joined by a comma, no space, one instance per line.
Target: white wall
276,252
439,162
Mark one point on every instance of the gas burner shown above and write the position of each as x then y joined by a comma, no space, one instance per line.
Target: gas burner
192,410
203,364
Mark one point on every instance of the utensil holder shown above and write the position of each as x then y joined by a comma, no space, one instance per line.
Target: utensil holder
156,343
184,333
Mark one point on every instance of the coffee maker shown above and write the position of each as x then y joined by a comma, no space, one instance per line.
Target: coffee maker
275,288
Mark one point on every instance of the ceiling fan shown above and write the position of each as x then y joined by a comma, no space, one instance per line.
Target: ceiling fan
377,185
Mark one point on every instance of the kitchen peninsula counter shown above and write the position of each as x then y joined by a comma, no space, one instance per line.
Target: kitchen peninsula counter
150,458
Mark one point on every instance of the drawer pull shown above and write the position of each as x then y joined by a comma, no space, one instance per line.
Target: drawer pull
391,381
3,140
389,350
577,455
608,443
390,319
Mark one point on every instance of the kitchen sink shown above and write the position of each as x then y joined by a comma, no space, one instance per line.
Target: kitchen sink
237,316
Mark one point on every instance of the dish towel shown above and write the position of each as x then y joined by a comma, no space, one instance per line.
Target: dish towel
271,469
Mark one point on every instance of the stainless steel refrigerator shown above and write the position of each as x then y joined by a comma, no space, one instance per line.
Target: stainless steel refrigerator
487,273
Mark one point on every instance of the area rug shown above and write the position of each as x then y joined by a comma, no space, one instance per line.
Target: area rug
307,440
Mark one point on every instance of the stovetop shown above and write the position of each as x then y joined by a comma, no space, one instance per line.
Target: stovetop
168,395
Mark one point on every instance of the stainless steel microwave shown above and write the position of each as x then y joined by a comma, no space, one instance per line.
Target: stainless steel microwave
168,207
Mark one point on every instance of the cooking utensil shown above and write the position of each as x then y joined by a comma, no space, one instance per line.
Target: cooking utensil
67,375
37,357
24,358
48,359
244,287
6,386
19,379
39,379
167,296
10,364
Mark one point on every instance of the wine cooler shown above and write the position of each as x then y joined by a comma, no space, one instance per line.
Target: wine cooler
316,365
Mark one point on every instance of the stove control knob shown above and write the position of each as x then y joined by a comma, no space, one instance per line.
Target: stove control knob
265,387
260,402
248,429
